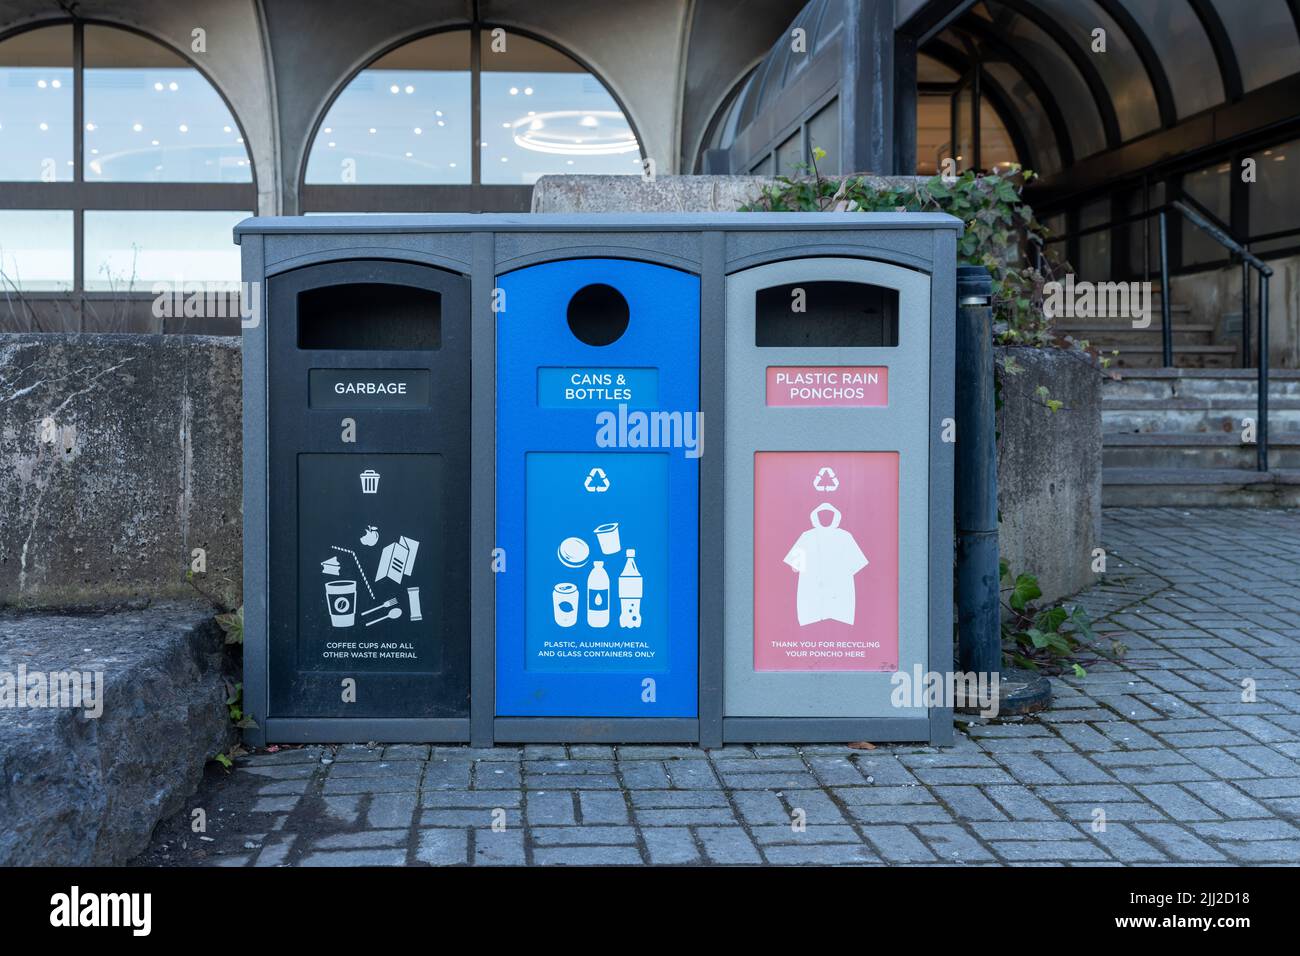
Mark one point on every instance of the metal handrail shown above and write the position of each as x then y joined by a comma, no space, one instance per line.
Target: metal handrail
1249,261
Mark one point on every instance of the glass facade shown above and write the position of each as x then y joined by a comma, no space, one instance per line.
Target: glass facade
36,106
407,119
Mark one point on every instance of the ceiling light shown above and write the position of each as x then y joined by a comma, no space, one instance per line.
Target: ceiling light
409,89
172,86
136,127
569,132
158,87
394,89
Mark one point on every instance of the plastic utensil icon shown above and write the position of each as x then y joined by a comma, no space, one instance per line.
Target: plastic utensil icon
391,615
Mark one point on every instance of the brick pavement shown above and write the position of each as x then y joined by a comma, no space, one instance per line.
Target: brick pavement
1164,758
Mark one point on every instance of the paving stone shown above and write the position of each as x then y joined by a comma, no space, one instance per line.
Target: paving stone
587,856
499,847
1178,842
391,809
648,774
361,839
900,813
1264,851
692,816
1020,851
854,854
481,817
767,835
728,845
1124,843
652,799
580,835
670,845
953,844
761,807
897,844
550,808
351,858
442,799
443,847
969,803
495,775
603,807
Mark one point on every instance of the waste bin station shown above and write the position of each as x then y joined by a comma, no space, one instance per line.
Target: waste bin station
605,478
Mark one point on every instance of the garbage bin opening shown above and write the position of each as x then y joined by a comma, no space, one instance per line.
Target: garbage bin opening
598,314
826,314
369,315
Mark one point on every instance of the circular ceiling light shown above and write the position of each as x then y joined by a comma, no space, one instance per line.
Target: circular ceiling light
575,133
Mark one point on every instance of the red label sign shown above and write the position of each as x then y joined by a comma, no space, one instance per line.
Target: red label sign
849,386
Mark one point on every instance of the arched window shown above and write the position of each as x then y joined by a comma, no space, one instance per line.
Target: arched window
121,168
413,116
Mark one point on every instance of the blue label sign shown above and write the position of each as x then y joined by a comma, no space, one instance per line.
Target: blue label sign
597,387
597,562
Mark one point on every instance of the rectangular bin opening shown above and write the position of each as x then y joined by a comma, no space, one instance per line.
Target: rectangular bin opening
827,315
369,315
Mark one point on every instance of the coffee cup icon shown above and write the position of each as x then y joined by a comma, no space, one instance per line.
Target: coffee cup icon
341,597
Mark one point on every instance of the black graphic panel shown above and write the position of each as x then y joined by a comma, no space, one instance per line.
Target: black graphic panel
371,560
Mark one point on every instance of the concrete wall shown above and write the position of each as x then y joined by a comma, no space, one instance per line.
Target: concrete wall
1049,469
1212,295
119,455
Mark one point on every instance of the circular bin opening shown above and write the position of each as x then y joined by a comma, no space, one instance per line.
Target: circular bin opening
598,314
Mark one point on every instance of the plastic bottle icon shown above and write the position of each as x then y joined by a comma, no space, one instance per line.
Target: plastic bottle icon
598,596
629,593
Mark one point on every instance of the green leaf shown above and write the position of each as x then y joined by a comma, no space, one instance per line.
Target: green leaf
224,761
1026,589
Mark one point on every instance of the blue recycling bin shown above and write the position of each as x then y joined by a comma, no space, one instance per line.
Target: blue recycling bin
598,441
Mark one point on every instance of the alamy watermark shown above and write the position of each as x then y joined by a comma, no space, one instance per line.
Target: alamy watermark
66,690
651,429
209,300
1071,299
960,689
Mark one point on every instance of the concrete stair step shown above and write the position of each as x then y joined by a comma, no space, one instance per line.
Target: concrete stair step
1196,450
1124,339
1200,487
1187,356
1197,419
1210,384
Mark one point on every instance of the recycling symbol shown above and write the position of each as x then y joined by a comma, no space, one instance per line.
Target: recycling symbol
597,480
826,480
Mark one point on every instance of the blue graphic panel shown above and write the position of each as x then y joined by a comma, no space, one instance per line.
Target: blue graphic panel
574,640
598,557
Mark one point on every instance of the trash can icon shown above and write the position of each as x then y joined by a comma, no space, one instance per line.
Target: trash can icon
370,482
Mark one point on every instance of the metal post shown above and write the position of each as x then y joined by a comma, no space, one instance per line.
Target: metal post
978,617
1166,329
1245,313
1261,424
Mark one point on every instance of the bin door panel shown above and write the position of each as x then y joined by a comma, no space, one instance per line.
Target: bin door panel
597,491
826,488
369,528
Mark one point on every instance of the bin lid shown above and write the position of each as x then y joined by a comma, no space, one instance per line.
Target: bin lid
364,224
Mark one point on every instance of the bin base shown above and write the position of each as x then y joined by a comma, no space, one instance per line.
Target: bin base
360,730
834,730
595,730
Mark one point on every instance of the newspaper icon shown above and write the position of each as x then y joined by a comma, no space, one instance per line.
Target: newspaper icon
397,560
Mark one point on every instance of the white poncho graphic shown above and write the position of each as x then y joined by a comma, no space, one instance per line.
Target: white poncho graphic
826,557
